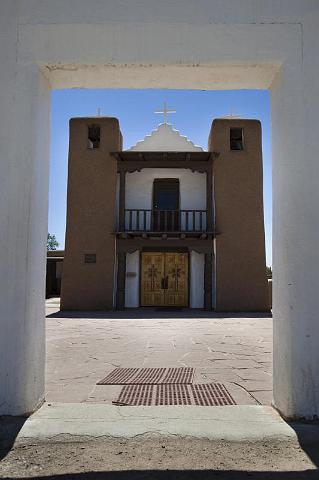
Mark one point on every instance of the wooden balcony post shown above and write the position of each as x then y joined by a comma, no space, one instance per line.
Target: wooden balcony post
209,200
122,201
121,275
208,281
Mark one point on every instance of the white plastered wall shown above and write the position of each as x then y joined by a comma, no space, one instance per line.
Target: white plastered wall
196,268
132,280
205,44
139,189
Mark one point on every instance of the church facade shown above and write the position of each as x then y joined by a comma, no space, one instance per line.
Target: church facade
165,223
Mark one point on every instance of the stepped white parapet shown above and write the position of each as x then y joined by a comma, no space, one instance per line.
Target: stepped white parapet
165,138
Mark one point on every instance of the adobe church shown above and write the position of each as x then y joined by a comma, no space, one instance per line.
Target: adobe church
165,223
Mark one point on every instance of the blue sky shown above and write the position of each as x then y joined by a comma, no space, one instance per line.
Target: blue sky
195,110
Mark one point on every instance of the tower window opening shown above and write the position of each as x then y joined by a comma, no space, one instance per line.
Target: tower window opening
94,135
236,139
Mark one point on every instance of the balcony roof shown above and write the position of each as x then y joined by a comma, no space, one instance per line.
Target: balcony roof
131,160
131,155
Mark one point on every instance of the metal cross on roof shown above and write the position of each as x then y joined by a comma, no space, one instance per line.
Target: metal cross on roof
165,111
233,115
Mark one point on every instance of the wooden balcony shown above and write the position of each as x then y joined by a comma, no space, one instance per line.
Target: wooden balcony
155,222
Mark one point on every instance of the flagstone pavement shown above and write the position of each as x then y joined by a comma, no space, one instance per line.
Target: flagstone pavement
83,347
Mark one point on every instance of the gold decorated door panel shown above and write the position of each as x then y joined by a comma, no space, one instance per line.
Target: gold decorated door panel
176,281
152,274
164,279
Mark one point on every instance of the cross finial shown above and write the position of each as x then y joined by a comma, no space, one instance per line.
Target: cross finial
99,112
165,111
233,115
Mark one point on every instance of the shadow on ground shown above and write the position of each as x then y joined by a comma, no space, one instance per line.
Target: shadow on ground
308,438
157,313
9,430
180,475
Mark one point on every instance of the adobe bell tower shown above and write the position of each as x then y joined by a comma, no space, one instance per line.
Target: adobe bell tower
241,282
88,270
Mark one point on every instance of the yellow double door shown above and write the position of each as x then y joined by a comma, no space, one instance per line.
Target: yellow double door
164,279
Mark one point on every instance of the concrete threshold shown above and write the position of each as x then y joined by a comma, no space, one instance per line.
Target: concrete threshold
231,423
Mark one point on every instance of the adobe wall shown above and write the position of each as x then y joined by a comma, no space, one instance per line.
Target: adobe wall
90,217
241,282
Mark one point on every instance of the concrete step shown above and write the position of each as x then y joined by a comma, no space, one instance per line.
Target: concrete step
229,423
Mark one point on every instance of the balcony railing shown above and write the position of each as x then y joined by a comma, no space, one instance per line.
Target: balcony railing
141,220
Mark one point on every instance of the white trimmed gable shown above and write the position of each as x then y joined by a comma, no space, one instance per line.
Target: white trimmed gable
165,139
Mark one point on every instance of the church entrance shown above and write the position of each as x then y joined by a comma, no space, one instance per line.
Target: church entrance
164,279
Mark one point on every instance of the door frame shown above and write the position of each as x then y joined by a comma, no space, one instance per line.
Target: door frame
164,250
168,180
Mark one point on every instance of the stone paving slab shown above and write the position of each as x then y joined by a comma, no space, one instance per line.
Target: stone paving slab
83,347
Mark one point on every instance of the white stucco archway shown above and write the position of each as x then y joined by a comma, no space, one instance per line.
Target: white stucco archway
205,44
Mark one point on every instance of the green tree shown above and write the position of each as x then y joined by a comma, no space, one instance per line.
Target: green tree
52,242
269,272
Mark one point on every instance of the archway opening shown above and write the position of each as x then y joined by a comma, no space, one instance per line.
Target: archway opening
243,363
